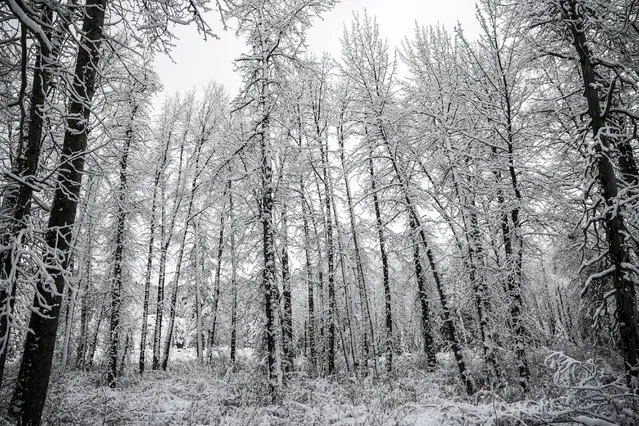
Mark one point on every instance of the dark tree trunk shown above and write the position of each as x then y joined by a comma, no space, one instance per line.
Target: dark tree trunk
367,333
330,255
96,334
149,259
513,237
427,335
165,237
443,298
83,343
475,261
16,203
159,310
287,314
309,276
233,249
618,253
35,367
345,284
199,268
125,353
388,343
178,271
513,262
216,281
269,284
173,302
116,290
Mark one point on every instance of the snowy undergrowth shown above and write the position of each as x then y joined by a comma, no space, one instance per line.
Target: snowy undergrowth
193,394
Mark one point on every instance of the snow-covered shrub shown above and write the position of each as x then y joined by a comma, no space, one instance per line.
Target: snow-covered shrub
595,394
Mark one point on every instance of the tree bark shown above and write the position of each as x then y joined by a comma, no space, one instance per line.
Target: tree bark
269,284
233,250
16,203
443,298
366,325
309,276
388,342
149,257
83,344
345,285
166,238
216,281
178,271
427,335
287,314
35,368
618,253
330,257
199,268
121,221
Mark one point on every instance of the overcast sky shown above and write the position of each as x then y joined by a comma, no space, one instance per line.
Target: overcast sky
198,62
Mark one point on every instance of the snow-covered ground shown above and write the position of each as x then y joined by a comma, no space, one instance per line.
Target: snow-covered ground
192,394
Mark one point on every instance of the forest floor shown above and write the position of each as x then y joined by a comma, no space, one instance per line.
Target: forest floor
191,394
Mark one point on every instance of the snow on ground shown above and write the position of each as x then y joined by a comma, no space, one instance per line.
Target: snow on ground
193,394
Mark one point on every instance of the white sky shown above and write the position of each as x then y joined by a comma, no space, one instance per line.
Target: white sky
197,61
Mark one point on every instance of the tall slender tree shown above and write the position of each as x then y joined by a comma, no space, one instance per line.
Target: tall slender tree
35,367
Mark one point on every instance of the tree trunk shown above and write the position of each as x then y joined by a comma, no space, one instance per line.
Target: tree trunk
149,258
269,284
443,298
121,221
176,278
96,334
216,281
427,335
16,203
309,276
474,262
366,325
330,256
287,314
72,293
165,237
199,267
388,343
347,298
125,353
618,253
233,249
80,361
159,310
33,377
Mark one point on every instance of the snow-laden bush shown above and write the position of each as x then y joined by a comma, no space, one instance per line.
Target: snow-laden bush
593,393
